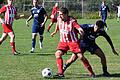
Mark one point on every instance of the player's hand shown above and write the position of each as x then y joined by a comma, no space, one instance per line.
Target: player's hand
115,52
22,15
2,21
27,24
106,29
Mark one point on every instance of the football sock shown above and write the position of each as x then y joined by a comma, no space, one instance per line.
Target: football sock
33,43
60,65
12,44
41,38
87,66
48,28
104,69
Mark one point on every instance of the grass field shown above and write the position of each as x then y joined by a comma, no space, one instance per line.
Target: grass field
28,66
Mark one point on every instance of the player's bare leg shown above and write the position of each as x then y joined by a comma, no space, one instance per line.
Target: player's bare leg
59,62
72,59
4,36
34,35
86,64
12,43
49,26
102,57
41,41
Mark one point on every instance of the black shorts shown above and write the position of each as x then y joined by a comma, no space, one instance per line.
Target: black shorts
89,47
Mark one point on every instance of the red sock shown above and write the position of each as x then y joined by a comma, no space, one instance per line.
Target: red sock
60,65
48,27
88,66
12,44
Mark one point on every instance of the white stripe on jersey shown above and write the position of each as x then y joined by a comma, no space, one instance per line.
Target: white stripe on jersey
67,32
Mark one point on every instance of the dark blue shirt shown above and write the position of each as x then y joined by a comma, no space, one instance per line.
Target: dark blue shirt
90,36
38,14
104,9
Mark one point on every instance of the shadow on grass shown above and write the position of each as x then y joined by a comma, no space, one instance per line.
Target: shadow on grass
115,75
35,54
111,75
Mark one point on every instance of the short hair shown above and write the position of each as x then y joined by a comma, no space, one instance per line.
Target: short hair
100,24
64,10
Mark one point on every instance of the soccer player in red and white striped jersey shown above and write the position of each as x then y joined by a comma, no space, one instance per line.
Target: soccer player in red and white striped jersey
69,29
53,16
9,12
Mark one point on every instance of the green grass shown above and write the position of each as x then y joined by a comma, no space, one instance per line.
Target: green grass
28,66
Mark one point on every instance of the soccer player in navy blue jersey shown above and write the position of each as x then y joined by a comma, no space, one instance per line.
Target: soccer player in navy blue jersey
104,12
40,17
91,32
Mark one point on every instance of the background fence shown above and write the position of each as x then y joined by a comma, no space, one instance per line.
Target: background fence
78,8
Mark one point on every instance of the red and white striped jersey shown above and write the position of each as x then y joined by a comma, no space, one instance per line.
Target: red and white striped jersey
9,12
68,30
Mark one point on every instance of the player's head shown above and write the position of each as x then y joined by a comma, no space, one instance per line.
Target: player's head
99,25
35,2
63,13
9,2
103,2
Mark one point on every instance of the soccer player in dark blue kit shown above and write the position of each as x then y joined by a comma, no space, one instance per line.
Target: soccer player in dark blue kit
40,17
104,12
91,32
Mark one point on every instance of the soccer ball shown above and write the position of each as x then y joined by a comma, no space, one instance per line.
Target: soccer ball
46,72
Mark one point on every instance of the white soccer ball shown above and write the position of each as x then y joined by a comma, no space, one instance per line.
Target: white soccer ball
47,73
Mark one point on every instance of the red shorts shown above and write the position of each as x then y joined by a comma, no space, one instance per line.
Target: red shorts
7,28
53,20
72,46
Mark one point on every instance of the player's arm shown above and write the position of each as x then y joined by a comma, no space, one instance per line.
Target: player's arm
45,20
99,12
2,10
77,26
55,31
30,17
110,42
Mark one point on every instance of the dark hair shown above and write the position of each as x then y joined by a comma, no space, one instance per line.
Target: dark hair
100,24
64,10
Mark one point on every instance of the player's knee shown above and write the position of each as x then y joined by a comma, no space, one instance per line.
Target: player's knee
12,36
58,54
80,56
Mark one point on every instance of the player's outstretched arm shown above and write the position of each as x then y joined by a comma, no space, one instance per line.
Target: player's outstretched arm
55,31
19,16
110,42
30,17
45,20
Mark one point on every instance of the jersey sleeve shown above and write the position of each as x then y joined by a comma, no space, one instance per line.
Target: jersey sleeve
108,39
75,24
3,9
43,10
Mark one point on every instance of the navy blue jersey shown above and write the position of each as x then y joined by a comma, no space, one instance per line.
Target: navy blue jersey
89,34
104,9
88,42
38,14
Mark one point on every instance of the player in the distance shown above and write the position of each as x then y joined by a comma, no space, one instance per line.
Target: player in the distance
10,14
53,16
104,12
40,17
91,32
69,29
118,12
